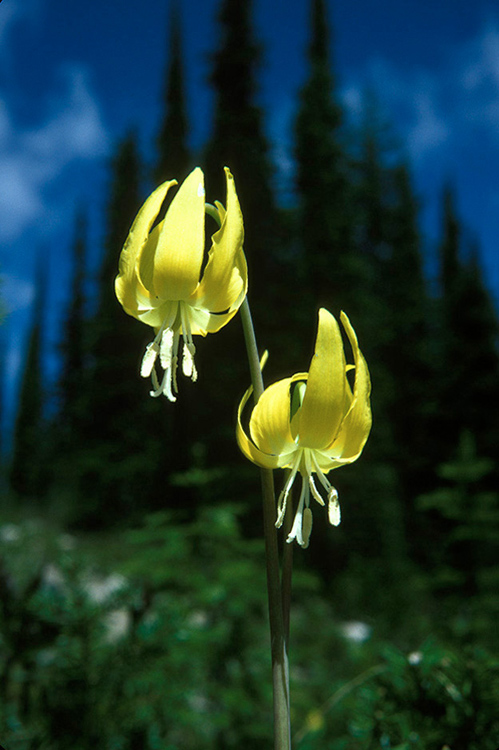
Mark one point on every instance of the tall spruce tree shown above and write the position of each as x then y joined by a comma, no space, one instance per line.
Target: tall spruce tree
469,358
324,193
408,355
27,475
73,349
174,160
376,482
122,453
65,437
238,141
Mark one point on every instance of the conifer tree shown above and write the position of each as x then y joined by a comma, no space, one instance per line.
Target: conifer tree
71,380
175,161
480,363
409,353
449,253
66,436
173,154
378,480
324,195
238,141
122,453
469,358
463,537
27,477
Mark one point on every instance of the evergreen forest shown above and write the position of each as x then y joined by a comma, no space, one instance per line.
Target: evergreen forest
132,576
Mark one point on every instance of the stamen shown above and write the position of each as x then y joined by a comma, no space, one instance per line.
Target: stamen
189,350
314,490
158,388
310,468
149,359
297,528
306,526
283,497
334,513
322,477
165,387
333,504
176,342
166,349
188,366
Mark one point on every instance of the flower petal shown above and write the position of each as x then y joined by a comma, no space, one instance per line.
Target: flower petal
324,403
129,289
170,262
270,426
225,278
203,321
355,428
250,450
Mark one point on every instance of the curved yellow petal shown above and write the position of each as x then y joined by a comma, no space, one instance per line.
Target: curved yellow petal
250,450
206,321
225,278
295,418
129,289
170,262
324,403
270,427
163,315
355,428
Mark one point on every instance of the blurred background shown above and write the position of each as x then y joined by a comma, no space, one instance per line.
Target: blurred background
364,141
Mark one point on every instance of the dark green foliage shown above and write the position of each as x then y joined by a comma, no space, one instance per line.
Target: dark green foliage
169,648
27,472
469,340
416,552
121,442
238,141
322,179
463,544
173,154
432,698
73,348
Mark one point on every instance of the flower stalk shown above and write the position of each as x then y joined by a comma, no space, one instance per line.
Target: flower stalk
278,597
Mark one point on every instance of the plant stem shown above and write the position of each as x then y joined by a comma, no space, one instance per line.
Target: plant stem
287,570
278,629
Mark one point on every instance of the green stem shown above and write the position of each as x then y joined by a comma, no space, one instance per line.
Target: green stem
278,637
287,569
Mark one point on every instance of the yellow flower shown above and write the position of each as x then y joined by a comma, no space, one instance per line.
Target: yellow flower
163,282
312,422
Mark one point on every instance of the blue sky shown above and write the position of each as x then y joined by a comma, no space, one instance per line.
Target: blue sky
75,76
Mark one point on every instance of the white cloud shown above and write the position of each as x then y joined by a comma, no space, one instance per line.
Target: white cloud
439,108
74,131
483,64
17,293
429,130
11,13
30,159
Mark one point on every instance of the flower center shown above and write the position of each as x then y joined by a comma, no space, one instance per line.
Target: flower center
306,462
166,345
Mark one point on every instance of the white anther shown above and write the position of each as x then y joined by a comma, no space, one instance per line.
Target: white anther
165,352
149,359
334,513
188,366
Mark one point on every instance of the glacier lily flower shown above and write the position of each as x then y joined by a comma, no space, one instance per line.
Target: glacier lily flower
163,281
311,423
